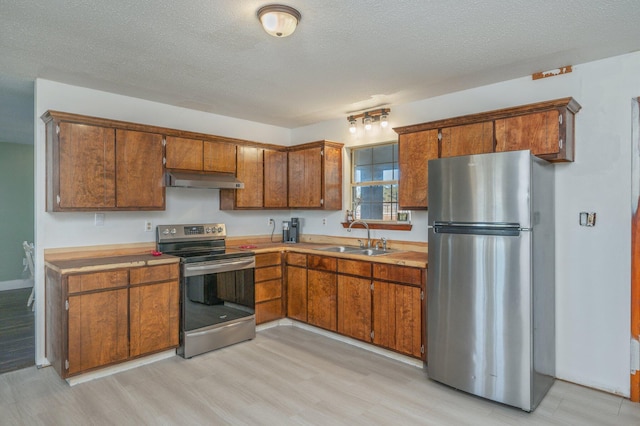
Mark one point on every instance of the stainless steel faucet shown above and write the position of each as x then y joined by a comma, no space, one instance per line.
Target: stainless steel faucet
366,226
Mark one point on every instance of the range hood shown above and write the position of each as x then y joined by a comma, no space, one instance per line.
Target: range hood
201,180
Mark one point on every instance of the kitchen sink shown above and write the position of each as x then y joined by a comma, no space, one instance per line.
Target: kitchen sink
356,250
373,252
340,249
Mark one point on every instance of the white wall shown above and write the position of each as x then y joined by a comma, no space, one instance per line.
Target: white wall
593,264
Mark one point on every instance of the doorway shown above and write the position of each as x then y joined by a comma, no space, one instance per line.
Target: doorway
17,320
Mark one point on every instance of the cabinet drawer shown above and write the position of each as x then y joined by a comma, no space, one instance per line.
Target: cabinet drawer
268,259
268,290
151,274
322,263
98,281
354,267
297,259
401,274
270,273
268,311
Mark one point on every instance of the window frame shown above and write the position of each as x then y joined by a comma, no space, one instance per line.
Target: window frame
392,224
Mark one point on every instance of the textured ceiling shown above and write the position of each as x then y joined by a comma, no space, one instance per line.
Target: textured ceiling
345,56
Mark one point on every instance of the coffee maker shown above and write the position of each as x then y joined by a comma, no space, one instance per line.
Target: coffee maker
291,230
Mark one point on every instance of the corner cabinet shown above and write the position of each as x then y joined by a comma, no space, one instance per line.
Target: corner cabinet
307,176
315,176
94,165
545,128
96,319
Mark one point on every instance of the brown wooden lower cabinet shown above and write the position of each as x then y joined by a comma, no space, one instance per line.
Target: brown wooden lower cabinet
102,318
297,293
322,294
268,292
397,318
373,302
98,329
354,307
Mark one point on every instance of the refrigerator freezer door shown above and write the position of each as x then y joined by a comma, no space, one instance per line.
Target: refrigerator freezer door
479,316
488,188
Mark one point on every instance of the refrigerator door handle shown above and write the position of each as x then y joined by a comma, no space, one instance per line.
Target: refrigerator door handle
499,229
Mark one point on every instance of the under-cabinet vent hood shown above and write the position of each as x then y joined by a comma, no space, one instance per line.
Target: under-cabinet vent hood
202,180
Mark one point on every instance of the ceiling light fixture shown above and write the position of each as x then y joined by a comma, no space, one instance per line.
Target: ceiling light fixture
279,20
369,117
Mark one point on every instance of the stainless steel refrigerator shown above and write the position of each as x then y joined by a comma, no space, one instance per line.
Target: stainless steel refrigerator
491,276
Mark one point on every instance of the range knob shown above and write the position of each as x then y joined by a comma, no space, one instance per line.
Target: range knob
219,228
208,230
173,231
214,230
166,231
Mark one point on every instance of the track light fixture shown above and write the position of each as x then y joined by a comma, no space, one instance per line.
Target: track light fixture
368,118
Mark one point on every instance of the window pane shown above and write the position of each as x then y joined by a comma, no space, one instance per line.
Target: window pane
362,174
383,154
383,171
363,156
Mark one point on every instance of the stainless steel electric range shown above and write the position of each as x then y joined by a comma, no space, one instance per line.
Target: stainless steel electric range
217,287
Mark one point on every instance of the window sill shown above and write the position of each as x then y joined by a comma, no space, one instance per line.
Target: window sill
379,225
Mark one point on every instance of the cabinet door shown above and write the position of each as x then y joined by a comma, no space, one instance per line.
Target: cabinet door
275,175
322,310
414,152
538,132
155,315
219,157
332,178
305,178
354,307
297,293
397,317
184,154
466,140
87,167
98,329
139,170
250,171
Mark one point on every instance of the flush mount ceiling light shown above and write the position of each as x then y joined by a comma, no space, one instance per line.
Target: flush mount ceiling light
368,118
279,20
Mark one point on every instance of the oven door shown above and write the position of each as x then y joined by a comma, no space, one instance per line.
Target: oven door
218,291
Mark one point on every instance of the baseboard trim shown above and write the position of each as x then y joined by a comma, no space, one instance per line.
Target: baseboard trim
16,284
362,345
107,371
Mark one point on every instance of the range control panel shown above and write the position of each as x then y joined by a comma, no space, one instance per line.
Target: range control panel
191,232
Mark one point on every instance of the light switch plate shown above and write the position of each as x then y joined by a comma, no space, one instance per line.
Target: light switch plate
99,219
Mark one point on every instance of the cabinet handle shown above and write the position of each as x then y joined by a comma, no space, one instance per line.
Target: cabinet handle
560,143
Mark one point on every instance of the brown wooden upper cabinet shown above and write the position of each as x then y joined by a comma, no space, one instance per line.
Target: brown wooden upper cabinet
468,139
546,128
94,165
275,179
201,156
414,152
315,176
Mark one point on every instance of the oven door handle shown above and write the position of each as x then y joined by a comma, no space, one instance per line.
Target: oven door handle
225,266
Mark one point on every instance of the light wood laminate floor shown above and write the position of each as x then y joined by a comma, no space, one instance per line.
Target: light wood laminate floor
286,376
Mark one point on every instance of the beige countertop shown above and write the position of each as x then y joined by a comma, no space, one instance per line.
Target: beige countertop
396,257
109,262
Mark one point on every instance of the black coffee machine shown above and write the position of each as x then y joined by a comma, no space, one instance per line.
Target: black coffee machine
291,230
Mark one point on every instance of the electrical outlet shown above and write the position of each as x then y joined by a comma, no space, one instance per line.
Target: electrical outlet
148,227
99,219
324,220
270,222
